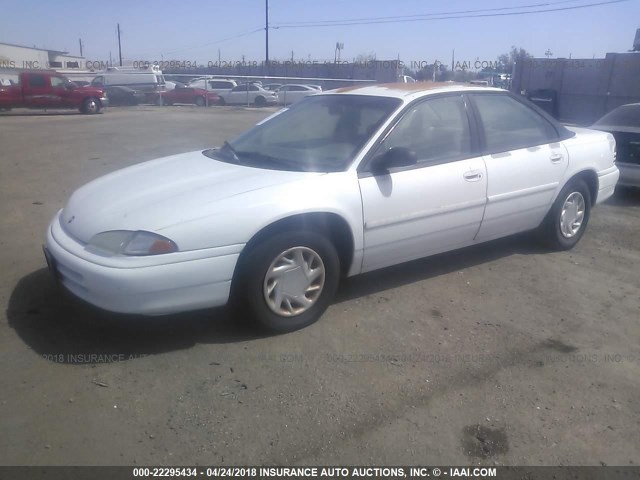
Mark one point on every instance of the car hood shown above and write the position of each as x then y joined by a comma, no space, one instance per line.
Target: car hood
159,193
90,90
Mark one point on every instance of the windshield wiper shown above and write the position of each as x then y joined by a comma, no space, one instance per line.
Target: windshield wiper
263,158
233,151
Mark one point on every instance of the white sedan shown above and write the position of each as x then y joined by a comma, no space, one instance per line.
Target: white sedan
288,94
339,184
249,94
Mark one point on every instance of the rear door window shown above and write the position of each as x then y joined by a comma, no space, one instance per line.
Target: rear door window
509,124
37,81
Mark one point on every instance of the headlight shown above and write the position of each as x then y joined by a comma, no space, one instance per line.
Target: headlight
125,242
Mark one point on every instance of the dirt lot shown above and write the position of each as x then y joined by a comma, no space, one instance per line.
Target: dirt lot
497,354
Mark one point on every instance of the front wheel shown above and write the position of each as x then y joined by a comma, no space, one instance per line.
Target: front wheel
288,281
567,220
90,106
260,102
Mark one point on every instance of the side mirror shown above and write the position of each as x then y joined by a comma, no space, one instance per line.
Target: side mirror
70,86
392,158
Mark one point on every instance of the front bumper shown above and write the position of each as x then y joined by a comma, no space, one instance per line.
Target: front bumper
156,289
104,101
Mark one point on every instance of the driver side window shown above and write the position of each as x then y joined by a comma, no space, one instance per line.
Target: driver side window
436,130
57,82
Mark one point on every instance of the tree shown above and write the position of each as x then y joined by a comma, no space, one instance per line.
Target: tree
506,60
365,58
437,69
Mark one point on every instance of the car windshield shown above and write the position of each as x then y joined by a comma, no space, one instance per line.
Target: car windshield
626,116
318,134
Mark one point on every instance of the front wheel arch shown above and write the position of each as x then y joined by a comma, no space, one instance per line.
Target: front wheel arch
91,105
334,226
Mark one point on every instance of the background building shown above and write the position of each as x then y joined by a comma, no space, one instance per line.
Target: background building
14,58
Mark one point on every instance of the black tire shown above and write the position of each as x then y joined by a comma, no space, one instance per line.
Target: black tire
260,101
248,294
200,101
550,231
90,106
221,101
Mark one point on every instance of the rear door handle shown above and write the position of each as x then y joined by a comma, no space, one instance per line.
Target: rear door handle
472,175
556,158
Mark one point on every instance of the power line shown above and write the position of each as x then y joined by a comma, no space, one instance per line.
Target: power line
218,41
425,14
421,19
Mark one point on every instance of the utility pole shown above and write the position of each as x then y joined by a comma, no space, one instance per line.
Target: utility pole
266,32
80,41
119,46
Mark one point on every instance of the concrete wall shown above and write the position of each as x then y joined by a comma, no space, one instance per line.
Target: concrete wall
586,88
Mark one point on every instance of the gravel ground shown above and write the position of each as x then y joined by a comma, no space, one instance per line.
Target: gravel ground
500,354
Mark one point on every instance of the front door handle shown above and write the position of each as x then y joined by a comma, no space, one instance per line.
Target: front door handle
472,175
556,158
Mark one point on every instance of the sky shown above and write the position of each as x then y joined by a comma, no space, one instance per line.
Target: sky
199,30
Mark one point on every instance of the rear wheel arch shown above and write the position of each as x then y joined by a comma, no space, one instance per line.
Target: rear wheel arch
590,177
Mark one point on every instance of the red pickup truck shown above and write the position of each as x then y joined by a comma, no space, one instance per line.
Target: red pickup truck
48,89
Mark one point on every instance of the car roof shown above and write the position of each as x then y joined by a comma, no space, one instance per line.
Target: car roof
418,89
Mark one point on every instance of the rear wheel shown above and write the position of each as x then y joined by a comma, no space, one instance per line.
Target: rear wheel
567,220
90,106
199,101
288,281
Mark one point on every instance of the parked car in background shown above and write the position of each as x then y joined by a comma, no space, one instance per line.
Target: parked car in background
48,89
272,87
149,81
189,95
171,84
249,94
124,96
220,86
624,124
288,94
336,185
81,83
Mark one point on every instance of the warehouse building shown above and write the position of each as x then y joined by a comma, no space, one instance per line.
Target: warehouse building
14,58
